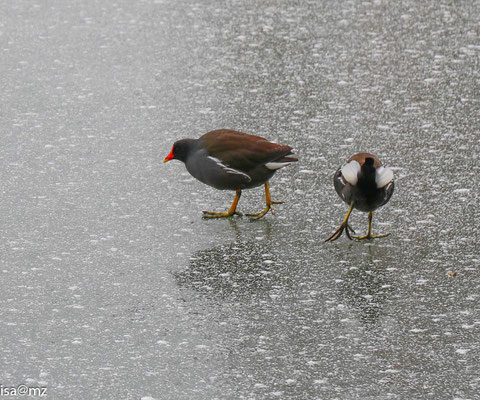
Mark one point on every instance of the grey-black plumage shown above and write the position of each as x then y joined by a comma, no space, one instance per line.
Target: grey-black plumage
364,184
231,160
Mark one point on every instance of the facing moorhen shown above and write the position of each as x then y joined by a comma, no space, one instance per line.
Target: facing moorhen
230,160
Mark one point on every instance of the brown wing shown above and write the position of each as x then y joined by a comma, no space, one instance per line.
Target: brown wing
360,157
240,150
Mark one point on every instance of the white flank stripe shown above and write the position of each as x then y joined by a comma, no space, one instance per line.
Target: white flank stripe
383,176
229,170
277,165
350,172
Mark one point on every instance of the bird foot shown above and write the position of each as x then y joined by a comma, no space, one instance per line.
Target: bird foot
368,236
344,227
254,217
211,214
269,207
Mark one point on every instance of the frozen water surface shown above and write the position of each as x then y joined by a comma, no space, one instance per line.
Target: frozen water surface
113,287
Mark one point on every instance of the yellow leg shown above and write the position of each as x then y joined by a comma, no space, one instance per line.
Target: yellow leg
369,233
229,213
268,207
343,227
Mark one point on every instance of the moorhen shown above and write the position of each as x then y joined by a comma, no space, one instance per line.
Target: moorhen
363,183
229,160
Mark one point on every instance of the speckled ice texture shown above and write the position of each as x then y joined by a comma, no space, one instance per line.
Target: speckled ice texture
112,284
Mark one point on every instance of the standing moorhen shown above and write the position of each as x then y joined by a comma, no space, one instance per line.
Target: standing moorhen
230,160
363,183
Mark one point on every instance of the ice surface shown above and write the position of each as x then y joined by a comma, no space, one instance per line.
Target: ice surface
112,284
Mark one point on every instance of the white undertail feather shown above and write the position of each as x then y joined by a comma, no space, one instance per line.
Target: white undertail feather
350,172
383,176
277,165
229,170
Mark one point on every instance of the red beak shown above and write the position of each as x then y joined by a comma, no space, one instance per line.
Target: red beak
170,156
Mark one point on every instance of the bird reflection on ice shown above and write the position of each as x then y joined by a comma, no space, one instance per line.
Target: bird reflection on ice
236,269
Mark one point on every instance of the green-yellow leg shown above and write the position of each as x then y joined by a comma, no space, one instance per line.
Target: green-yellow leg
268,207
343,227
229,213
369,233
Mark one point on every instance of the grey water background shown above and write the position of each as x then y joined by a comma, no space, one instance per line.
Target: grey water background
114,287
